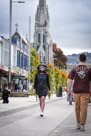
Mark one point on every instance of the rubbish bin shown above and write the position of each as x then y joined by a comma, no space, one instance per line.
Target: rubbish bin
60,92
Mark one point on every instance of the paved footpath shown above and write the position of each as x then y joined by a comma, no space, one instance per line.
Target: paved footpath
67,127
58,120
21,102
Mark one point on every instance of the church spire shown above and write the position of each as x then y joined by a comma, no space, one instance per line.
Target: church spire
42,2
42,39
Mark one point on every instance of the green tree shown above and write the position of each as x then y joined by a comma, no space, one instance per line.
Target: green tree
34,64
33,57
57,78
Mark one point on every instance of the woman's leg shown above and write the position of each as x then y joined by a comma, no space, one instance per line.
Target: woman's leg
42,103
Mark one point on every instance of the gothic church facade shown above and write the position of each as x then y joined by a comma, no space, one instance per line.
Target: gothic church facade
42,38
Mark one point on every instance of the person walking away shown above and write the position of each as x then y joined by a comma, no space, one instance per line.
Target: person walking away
18,87
5,94
24,87
70,99
42,85
82,87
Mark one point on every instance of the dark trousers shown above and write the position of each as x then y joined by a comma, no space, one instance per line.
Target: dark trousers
5,100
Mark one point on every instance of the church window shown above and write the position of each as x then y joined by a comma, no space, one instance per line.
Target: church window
39,38
44,38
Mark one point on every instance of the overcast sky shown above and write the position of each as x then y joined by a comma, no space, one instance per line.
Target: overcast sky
70,22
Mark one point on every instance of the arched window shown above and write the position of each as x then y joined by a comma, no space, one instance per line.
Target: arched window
43,38
39,37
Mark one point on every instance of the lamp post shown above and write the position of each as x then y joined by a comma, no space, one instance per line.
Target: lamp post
10,38
29,52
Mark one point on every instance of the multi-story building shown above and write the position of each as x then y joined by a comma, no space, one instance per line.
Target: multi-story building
22,50
19,59
4,60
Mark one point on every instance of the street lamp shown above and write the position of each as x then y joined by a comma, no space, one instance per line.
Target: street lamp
28,84
10,37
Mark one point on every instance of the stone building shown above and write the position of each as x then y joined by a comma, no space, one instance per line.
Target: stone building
42,38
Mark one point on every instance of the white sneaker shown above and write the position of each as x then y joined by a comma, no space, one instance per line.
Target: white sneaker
78,126
82,127
41,114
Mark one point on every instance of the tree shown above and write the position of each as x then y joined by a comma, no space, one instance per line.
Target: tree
34,64
57,78
34,57
60,59
51,76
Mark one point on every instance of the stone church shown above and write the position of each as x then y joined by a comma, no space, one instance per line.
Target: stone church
42,38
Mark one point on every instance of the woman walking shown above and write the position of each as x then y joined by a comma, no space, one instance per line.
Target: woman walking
42,85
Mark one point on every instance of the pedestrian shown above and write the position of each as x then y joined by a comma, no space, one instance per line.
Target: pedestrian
81,88
5,94
70,99
24,87
42,85
21,87
18,87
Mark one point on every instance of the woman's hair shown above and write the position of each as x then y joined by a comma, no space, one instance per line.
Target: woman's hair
39,68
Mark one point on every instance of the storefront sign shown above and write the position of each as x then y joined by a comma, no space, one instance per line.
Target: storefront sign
5,68
1,67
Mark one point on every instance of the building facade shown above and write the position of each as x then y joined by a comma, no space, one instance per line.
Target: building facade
22,51
4,60
42,38
19,60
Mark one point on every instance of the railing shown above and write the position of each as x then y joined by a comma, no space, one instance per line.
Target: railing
17,94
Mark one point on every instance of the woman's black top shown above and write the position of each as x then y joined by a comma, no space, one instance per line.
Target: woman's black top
41,82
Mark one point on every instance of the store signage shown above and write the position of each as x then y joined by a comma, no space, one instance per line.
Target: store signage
1,67
5,68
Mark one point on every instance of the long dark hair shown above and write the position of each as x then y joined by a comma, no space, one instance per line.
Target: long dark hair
45,66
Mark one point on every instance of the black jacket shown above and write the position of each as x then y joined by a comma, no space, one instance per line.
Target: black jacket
41,80
5,94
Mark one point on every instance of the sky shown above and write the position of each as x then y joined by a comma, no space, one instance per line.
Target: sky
70,22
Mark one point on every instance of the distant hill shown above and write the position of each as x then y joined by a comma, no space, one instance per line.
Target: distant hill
74,58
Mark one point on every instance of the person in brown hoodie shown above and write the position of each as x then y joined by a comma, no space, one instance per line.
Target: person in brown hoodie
81,89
